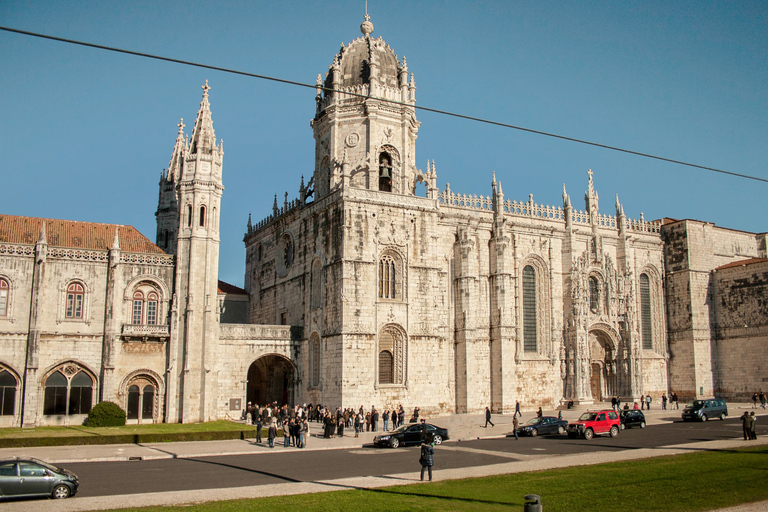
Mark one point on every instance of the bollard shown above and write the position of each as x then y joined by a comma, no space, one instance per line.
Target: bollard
532,503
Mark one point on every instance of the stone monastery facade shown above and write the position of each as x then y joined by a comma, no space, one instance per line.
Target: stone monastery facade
374,286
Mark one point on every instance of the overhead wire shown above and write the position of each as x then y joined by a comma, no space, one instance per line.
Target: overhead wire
393,102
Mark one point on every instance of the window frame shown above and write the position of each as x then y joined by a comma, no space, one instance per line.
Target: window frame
5,297
74,301
68,400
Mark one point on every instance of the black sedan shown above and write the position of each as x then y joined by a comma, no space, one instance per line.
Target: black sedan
24,477
410,434
632,418
543,425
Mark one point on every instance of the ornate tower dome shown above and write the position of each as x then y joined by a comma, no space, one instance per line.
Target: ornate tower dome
356,134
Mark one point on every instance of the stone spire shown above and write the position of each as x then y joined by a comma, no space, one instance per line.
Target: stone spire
177,158
203,136
42,239
116,241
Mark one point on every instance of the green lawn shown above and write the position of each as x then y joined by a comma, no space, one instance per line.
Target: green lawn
691,482
157,428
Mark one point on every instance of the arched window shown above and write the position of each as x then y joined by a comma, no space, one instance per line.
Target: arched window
646,324
387,273
56,395
391,355
386,375
529,309
141,401
7,393
138,307
75,300
189,215
152,309
385,172
80,393
4,291
594,294
202,216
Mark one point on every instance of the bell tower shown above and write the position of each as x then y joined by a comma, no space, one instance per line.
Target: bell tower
360,140
197,171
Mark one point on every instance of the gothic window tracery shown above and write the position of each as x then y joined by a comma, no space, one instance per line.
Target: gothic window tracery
646,317
68,391
534,304
8,386
391,355
390,276
145,305
594,294
529,309
140,405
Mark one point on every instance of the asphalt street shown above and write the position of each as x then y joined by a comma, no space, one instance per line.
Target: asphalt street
275,467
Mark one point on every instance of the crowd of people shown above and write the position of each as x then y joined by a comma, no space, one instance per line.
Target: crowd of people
759,396
294,421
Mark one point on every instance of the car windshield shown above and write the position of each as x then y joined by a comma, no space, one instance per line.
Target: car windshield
46,465
534,421
587,416
696,404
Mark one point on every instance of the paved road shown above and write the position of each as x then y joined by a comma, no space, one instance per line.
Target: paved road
184,474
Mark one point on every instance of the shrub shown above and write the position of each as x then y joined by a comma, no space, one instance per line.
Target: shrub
106,414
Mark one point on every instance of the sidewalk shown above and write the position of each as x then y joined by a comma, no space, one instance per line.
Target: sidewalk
461,427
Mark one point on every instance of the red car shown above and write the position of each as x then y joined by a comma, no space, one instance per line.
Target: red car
593,423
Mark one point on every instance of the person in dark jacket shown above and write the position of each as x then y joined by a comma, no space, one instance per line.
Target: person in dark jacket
488,418
259,424
426,459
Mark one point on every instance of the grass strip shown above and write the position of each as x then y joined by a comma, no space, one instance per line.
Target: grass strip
690,482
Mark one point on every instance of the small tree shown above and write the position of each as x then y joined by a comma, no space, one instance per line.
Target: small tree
106,414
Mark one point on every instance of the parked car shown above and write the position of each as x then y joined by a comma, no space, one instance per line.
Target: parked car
543,425
410,434
22,477
632,418
702,410
593,423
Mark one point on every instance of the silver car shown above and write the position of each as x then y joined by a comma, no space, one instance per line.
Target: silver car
22,477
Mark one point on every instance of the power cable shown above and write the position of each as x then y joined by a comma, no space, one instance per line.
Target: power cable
393,102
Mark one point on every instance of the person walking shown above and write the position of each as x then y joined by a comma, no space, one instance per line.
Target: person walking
426,459
423,430
259,424
515,426
762,400
272,433
358,420
488,418
664,401
752,425
754,400
642,402
648,401
385,417
517,409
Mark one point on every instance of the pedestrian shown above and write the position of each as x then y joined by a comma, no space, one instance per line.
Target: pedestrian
385,417
642,402
745,426
249,414
517,409
635,407
426,458
539,413
762,400
754,400
677,404
423,429
367,421
340,427
287,433
664,401
272,433
648,401
613,403
618,403
401,416
375,420
752,425
358,420
515,426
488,418
304,433
259,424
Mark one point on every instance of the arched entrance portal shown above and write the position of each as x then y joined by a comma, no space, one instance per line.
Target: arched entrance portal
603,382
271,379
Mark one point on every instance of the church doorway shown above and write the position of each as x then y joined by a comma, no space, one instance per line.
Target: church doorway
271,378
603,381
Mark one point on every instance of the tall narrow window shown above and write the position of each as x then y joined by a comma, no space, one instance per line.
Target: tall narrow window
4,289
189,215
645,311
55,395
529,309
202,216
594,294
385,172
314,360
152,309
387,278
80,394
138,307
75,297
148,403
132,411
386,367
7,393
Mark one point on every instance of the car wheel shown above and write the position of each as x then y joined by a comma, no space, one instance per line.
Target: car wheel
589,434
437,439
722,416
614,431
534,432
704,417
622,426
561,430
60,492
394,443
642,424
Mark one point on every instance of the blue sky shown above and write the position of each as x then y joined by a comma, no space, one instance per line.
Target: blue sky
86,133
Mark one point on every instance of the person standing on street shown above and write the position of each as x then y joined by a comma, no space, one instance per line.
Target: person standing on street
517,409
752,424
515,426
745,426
488,418
648,401
259,424
427,456
272,434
